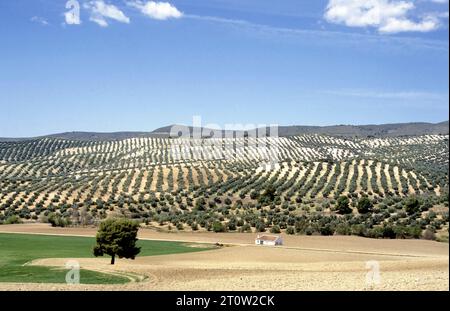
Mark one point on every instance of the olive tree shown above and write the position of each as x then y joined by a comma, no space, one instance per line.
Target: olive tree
342,205
364,205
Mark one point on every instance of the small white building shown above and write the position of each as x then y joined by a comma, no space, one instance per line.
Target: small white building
271,240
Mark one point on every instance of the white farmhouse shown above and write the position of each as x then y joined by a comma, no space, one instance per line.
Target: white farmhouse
269,240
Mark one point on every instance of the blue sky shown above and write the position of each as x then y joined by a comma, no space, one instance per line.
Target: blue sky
138,65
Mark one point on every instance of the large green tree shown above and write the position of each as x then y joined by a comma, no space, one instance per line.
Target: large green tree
117,237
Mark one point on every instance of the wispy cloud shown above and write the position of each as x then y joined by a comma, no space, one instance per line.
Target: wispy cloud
39,20
326,35
100,12
399,95
156,10
216,19
387,16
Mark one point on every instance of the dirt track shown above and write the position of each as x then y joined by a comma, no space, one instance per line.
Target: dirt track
303,263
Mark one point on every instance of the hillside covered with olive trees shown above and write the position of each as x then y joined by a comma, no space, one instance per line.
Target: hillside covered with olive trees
382,187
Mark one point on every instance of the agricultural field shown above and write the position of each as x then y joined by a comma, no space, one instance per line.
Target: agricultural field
302,263
18,251
391,187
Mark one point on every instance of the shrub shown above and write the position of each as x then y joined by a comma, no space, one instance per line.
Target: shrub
57,221
180,226
309,231
342,206
388,232
427,204
246,228
231,225
404,232
326,230
218,227
275,229
13,219
359,230
290,230
412,205
343,229
254,195
300,226
268,195
375,233
364,205
260,227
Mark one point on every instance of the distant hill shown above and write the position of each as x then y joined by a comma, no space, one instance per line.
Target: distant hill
102,136
380,130
91,136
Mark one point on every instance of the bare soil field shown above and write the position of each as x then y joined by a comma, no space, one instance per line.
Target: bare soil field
302,263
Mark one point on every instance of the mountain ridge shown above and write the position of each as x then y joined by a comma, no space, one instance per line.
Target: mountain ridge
342,130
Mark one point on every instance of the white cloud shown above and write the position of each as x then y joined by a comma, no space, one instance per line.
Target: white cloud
388,16
99,20
39,20
156,10
394,25
100,12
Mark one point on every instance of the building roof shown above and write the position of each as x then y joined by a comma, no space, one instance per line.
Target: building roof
267,237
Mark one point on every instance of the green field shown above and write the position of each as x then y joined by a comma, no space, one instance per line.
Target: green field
18,249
